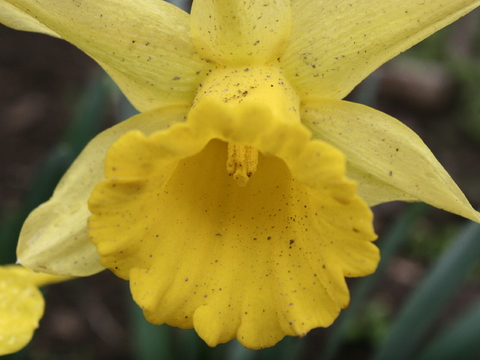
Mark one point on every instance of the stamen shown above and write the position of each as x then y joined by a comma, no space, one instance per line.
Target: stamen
241,162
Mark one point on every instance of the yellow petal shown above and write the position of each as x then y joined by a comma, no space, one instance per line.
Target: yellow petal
232,32
336,44
143,44
389,160
21,307
37,278
54,236
12,17
256,262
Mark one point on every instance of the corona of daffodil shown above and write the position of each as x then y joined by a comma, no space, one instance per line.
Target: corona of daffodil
237,201
21,305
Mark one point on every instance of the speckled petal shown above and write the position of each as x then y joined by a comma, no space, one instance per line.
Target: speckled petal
232,32
143,44
335,44
389,161
12,17
54,236
256,262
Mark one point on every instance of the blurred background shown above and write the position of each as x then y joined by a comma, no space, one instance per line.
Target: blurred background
53,99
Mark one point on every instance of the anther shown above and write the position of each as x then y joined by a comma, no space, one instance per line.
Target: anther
242,162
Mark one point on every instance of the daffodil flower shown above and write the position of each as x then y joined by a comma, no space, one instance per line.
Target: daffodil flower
21,305
238,200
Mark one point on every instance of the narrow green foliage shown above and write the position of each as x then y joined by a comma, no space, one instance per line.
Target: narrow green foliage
149,342
432,295
460,340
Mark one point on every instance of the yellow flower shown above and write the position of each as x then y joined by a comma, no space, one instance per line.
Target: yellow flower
230,202
21,305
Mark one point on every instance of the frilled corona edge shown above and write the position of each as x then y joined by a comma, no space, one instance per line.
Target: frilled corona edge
256,262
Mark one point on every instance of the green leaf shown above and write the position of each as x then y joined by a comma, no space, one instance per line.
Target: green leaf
149,342
434,292
459,341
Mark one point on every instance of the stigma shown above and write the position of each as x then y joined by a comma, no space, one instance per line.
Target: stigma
242,162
